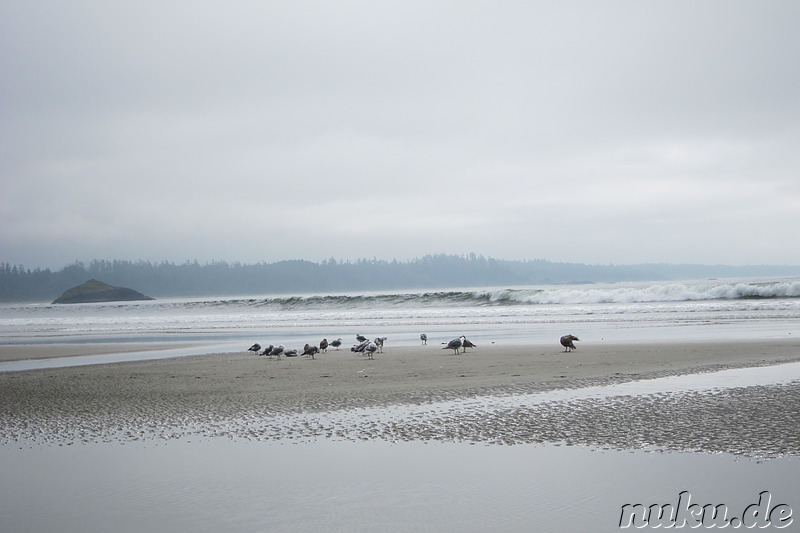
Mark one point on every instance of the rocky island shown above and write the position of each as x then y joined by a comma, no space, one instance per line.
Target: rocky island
97,291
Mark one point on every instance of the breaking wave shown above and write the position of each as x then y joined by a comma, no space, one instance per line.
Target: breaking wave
554,295
667,292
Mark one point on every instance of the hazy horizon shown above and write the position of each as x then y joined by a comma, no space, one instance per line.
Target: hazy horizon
580,132
466,256
387,260
435,273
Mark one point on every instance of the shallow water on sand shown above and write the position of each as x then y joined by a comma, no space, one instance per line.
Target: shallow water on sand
220,485
305,482
702,382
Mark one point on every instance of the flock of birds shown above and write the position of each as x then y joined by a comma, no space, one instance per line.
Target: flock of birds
365,345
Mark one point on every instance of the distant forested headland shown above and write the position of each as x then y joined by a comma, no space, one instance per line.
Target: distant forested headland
219,278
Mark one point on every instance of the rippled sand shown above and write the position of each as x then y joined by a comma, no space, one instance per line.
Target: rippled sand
343,395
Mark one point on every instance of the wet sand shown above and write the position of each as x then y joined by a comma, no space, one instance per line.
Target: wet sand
242,395
22,352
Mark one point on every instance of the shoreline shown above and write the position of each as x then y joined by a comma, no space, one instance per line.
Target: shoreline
26,352
20,351
241,395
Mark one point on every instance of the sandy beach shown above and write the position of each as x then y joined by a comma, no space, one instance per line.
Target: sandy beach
173,397
338,377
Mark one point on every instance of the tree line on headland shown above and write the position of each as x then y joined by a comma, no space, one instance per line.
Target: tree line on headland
218,278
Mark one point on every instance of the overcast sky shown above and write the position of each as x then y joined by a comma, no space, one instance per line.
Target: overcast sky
596,132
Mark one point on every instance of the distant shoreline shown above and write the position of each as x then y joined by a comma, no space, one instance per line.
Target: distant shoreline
432,272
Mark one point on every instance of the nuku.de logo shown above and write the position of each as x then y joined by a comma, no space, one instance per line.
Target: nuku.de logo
687,514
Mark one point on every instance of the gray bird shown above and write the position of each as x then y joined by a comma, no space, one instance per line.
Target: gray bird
361,338
454,345
359,347
254,348
277,351
371,348
566,342
337,343
423,338
310,350
466,343
379,342
267,350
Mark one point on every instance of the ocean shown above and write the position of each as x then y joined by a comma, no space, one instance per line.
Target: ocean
614,312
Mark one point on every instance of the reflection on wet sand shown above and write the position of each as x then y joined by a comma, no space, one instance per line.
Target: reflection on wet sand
745,411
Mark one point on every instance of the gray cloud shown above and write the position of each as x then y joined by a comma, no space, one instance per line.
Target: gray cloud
572,131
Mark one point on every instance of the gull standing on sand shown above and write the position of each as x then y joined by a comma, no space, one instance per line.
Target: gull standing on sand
379,342
370,349
337,343
423,338
360,347
267,350
310,350
454,344
254,348
361,338
466,343
566,342
278,350
323,346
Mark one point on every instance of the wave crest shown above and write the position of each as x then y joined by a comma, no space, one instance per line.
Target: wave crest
668,292
574,295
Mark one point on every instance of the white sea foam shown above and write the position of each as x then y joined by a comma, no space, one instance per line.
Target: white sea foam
658,292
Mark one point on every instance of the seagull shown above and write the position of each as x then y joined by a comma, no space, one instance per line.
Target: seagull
370,349
361,338
323,346
379,342
566,342
360,347
454,344
310,350
277,350
337,343
290,353
254,348
423,338
267,350
466,343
